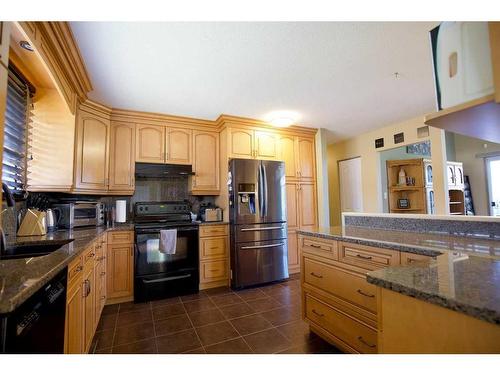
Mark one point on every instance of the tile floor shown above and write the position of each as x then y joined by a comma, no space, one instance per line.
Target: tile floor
260,320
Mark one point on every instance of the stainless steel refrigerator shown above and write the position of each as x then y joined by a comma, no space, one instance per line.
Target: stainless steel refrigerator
257,215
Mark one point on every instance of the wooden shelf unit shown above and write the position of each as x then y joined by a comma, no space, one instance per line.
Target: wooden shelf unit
457,202
414,193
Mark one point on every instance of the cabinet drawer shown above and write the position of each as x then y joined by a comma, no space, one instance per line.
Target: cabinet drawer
211,248
213,270
321,247
75,269
366,257
353,288
89,254
213,230
357,335
116,237
409,258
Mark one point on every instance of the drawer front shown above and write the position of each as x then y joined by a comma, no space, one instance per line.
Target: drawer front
357,335
348,286
325,248
213,270
75,269
366,257
211,248
89,254
121,237
213,230
409,258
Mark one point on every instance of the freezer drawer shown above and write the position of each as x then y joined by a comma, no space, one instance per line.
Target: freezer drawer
259,262
259,232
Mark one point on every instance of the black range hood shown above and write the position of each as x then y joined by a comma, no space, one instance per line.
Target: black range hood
149,170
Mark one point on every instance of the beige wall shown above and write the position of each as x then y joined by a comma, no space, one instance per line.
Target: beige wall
363,146
467,150
322,178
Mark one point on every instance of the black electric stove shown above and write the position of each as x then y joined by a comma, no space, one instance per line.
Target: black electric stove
158,274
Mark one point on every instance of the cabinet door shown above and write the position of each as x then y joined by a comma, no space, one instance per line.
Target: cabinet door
73,341
4,43
91,156
89,306
241,143
122,157
287,153
459,176
120,270
293,253
307,205
206,162
451,175
292,205
97,292
179,149
266,145
306,162
150,143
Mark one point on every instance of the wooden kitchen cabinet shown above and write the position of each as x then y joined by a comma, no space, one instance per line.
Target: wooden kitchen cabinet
266,145
214,256
89,293
292,205
120,269
122,158
306,158
74,328
150,143
179,150
287,153
293,253
4,43
206,166
91,151
241,143
299,157
307,205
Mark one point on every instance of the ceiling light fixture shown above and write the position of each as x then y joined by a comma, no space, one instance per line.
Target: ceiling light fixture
282,119
24,44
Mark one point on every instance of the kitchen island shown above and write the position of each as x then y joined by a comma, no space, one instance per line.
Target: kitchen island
367,289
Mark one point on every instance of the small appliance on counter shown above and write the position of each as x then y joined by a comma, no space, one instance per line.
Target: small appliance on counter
210,213
75,214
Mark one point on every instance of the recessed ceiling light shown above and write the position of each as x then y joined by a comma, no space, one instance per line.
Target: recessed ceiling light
282,119
24,44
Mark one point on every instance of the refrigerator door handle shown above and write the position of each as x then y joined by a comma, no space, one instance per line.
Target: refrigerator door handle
259,229
260,184
262,246
265,189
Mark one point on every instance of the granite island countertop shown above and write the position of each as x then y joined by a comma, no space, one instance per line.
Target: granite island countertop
464,276
21,278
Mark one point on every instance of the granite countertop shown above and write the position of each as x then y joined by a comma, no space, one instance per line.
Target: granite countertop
464,276
20,278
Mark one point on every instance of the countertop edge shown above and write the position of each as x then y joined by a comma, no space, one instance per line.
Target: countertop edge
485,314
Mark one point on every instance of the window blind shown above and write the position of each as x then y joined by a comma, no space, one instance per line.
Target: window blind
15,133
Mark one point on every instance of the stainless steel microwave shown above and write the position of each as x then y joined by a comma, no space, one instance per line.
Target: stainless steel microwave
79,214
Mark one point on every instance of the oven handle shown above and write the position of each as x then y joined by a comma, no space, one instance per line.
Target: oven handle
258,229
166,279
262,246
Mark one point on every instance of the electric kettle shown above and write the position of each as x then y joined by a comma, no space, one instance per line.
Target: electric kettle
50,220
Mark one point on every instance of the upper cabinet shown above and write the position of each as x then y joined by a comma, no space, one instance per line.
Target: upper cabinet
205,163
179,150
150,143
122,158
299,156
4,43
91,151
253,144
161,144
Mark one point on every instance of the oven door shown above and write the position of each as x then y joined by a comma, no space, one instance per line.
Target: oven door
149,260
84,214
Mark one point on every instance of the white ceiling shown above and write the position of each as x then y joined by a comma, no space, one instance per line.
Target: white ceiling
338,76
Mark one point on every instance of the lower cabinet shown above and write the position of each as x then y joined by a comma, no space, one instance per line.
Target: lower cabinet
214,256
120,267
337,301
85,298
293,253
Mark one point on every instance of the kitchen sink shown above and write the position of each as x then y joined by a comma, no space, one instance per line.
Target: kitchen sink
29,250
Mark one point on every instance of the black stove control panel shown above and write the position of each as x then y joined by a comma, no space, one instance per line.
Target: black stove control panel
161,208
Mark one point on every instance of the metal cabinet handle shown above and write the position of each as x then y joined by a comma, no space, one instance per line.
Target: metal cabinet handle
103,297
360,339
365,294
103,273
259,229
79,269
91,255
315,246
317,313
262,247
318,276
363,257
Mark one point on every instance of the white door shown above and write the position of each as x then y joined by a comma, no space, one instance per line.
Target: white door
351,193
493,177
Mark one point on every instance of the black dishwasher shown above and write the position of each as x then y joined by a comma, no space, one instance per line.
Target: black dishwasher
37,326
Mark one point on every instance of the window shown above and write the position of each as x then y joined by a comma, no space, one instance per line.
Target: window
19,92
